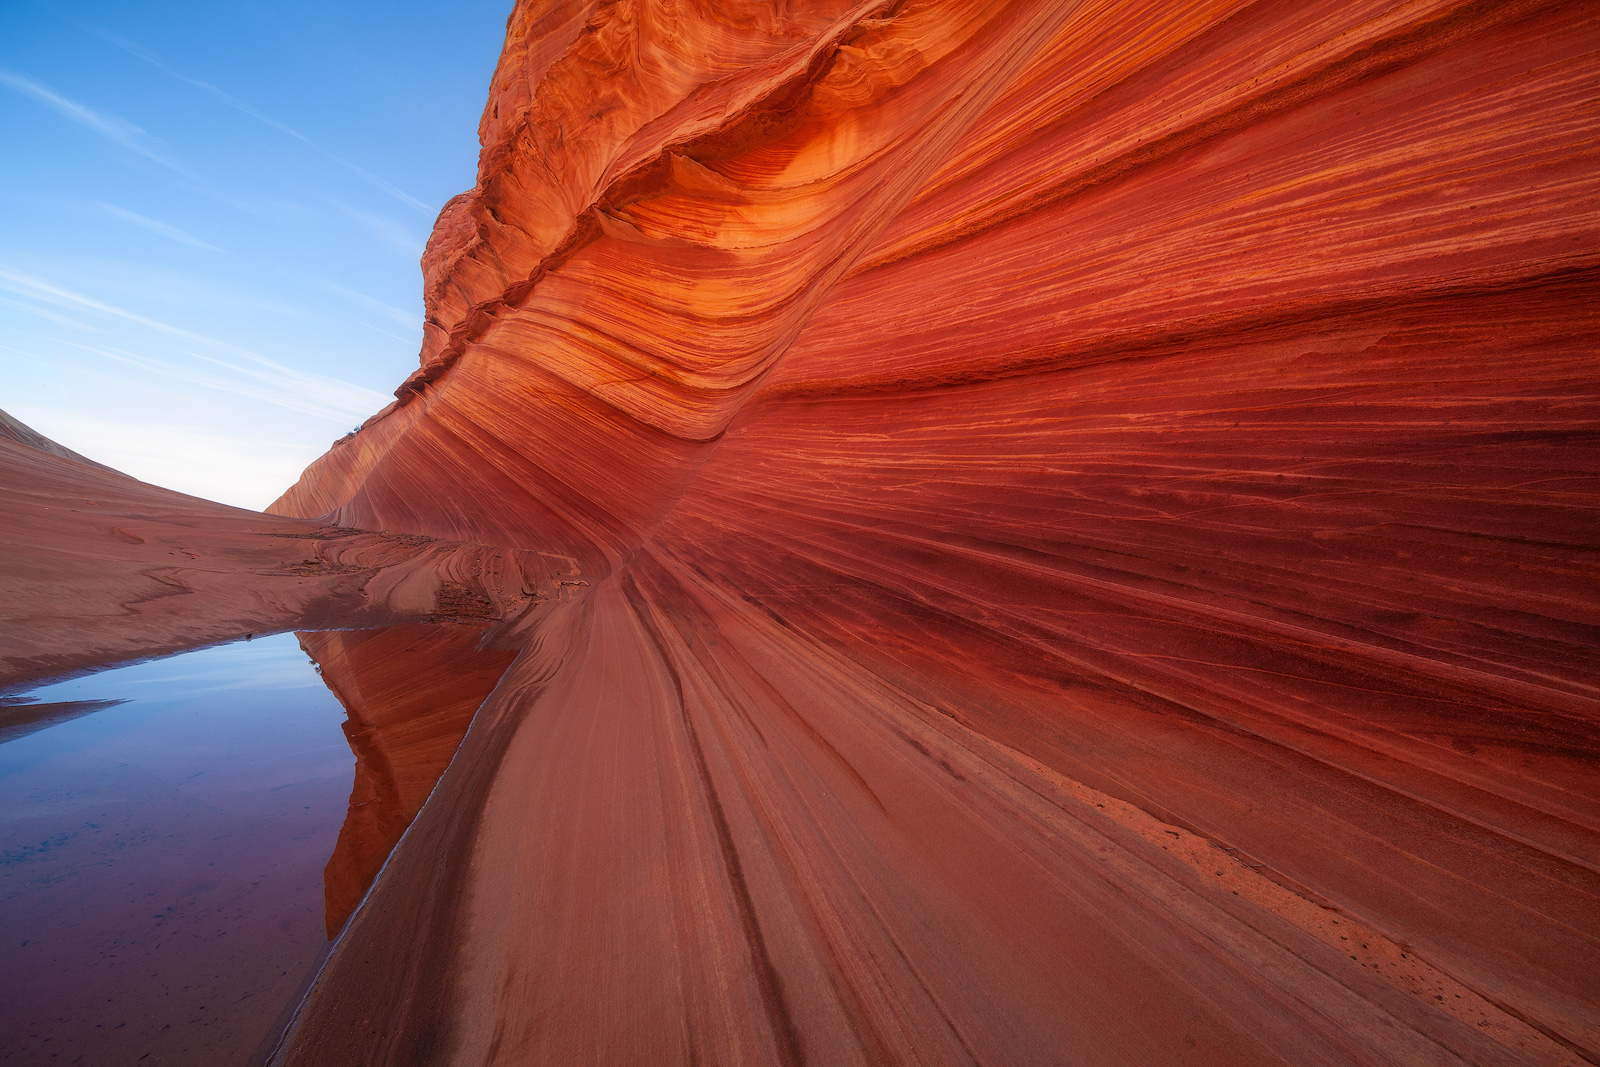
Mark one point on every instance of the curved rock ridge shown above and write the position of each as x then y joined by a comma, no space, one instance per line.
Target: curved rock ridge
1073,537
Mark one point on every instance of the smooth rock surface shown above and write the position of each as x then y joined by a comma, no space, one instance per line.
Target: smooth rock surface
1069,535
1091,515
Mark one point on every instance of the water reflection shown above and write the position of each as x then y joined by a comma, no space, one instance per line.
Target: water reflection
180,838
160,858
410,693
21,716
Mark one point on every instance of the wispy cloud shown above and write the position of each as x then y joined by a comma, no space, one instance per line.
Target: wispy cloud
409,319
399,194
172,233
51,316
111,127
286,387
259,389
150,57
234,102
385,229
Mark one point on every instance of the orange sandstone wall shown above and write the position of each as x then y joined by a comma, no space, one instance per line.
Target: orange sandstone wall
1089,515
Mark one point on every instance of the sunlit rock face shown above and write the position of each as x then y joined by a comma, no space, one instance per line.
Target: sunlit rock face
1071,532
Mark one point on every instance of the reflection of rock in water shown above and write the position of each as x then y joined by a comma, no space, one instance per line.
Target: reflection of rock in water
18,719
410,692
163,833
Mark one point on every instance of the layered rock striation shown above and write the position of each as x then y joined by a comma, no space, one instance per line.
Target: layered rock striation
1070,532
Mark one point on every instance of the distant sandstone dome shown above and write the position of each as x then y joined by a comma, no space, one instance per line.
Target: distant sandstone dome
1075,526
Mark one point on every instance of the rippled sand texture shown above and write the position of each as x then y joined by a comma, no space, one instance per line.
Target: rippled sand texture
1070,534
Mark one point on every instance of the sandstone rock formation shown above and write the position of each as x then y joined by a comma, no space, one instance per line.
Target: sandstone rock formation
1069,536
1090,521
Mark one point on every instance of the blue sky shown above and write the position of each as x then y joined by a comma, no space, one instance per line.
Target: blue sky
210,219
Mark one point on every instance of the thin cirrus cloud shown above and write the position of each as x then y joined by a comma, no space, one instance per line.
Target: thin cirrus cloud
115,129
409,319
153,371
172,233
140,52
289,400
284,386
49,316
385,229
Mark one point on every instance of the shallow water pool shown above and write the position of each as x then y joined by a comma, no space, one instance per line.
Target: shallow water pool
162,842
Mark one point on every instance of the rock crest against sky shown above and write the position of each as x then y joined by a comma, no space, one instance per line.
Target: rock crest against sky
1069,537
